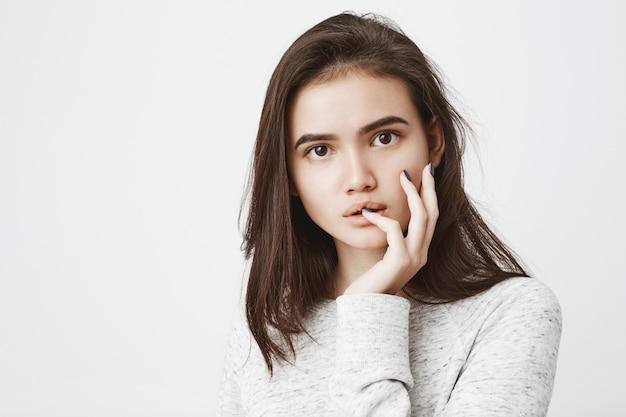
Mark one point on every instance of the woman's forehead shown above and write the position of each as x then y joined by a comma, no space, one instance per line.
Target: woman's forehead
351,100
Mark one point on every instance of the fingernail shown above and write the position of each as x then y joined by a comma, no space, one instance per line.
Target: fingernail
432,169
367,210
406,174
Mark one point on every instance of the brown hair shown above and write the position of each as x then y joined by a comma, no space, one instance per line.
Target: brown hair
292,257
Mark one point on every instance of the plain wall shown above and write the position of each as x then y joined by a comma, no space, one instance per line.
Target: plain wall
125,136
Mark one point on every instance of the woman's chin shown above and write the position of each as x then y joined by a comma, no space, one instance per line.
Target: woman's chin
375,242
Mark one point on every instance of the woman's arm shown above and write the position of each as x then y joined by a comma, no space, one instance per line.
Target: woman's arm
372,373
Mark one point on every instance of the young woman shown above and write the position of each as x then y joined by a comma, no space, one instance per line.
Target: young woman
375,288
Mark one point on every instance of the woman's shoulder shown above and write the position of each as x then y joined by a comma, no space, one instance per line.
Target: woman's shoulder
240,340
519,301
521,293
516,292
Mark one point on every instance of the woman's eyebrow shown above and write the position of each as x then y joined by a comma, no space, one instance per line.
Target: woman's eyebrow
380,123
310,137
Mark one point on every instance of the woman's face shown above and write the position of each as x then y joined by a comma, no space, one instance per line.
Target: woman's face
349,140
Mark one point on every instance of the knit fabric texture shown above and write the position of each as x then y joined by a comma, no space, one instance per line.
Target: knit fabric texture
493,354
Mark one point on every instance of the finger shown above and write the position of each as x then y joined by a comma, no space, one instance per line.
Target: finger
416,229
390,226
431,205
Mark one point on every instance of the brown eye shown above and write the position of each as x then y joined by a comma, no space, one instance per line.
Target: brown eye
319,151
385,138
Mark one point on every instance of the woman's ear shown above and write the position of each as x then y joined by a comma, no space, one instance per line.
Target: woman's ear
436,140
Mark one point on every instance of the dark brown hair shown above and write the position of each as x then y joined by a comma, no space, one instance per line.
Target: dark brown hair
292,258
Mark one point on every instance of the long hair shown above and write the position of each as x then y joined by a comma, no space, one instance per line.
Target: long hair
292,258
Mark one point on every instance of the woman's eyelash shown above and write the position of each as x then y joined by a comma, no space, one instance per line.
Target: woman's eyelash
318,151
387,137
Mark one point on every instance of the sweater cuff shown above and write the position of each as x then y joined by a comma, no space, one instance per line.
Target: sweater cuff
373,337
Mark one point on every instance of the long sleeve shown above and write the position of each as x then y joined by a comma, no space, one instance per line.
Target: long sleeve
372,372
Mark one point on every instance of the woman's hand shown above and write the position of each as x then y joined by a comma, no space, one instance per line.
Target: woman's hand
405,255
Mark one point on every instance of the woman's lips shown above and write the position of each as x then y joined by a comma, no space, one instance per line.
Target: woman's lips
354,213
356,209
358,219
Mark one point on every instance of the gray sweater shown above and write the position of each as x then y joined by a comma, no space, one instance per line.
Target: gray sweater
493,354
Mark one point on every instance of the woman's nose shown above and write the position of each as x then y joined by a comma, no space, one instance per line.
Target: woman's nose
359,175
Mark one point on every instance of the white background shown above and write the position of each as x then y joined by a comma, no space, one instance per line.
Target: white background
125,134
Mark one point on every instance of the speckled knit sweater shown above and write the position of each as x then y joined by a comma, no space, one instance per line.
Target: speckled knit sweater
493,354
